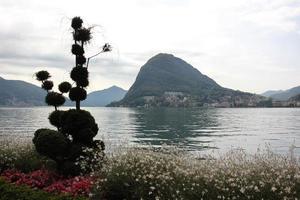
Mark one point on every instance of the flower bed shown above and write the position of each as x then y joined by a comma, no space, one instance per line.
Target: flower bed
50,182
146,174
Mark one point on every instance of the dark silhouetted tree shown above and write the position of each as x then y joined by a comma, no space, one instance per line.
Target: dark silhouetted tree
76,128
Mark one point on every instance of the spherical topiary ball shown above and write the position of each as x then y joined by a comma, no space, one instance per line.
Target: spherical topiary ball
80,59
79,73
84,35
55,118
50,143
83,82
64,87
77,49
75,120
47,85
55,99
84,136
76,23
77,94
42,75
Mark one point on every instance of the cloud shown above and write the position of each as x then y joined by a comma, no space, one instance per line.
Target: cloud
232,41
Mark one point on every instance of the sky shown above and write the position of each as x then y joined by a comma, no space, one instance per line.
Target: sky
248,45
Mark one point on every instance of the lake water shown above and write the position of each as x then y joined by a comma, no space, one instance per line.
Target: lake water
196,129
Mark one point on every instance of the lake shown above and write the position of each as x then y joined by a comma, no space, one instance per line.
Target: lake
195,129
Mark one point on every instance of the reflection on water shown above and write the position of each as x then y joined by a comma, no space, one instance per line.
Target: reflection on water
196,129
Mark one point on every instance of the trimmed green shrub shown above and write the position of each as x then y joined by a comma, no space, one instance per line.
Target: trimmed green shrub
77,50
75,120
76,23
47,85
42,75
83,35
64,87
55,99
80,60
55,118
77,94
79,73
75,128
50,143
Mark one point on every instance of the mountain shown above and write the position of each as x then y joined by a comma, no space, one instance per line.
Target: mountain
166,80
285,95
269,93
104,97
20,93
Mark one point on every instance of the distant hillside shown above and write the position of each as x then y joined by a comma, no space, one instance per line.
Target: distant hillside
166,80
20,93
104,97
269,93
285,95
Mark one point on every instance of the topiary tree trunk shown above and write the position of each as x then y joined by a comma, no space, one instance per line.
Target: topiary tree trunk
76,128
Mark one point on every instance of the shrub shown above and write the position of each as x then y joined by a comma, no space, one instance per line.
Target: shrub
47,85
84,35
42,75
64,87
74,121
148,174
77,94
77,50
75,128
80,60
79,73
55,99
55,118
76,23
50,143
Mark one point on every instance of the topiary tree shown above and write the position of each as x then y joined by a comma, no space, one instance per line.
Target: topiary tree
76,128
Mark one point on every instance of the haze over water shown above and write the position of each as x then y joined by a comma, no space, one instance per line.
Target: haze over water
195,129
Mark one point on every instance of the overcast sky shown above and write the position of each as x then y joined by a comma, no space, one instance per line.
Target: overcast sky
250,45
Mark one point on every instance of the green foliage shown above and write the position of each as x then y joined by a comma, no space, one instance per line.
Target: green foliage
50,143
76,23
80,60
47,85
77,50
9,191
76,128
79,73
55,99
84,35
77,94
64,87
42,75
74,121
55,118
